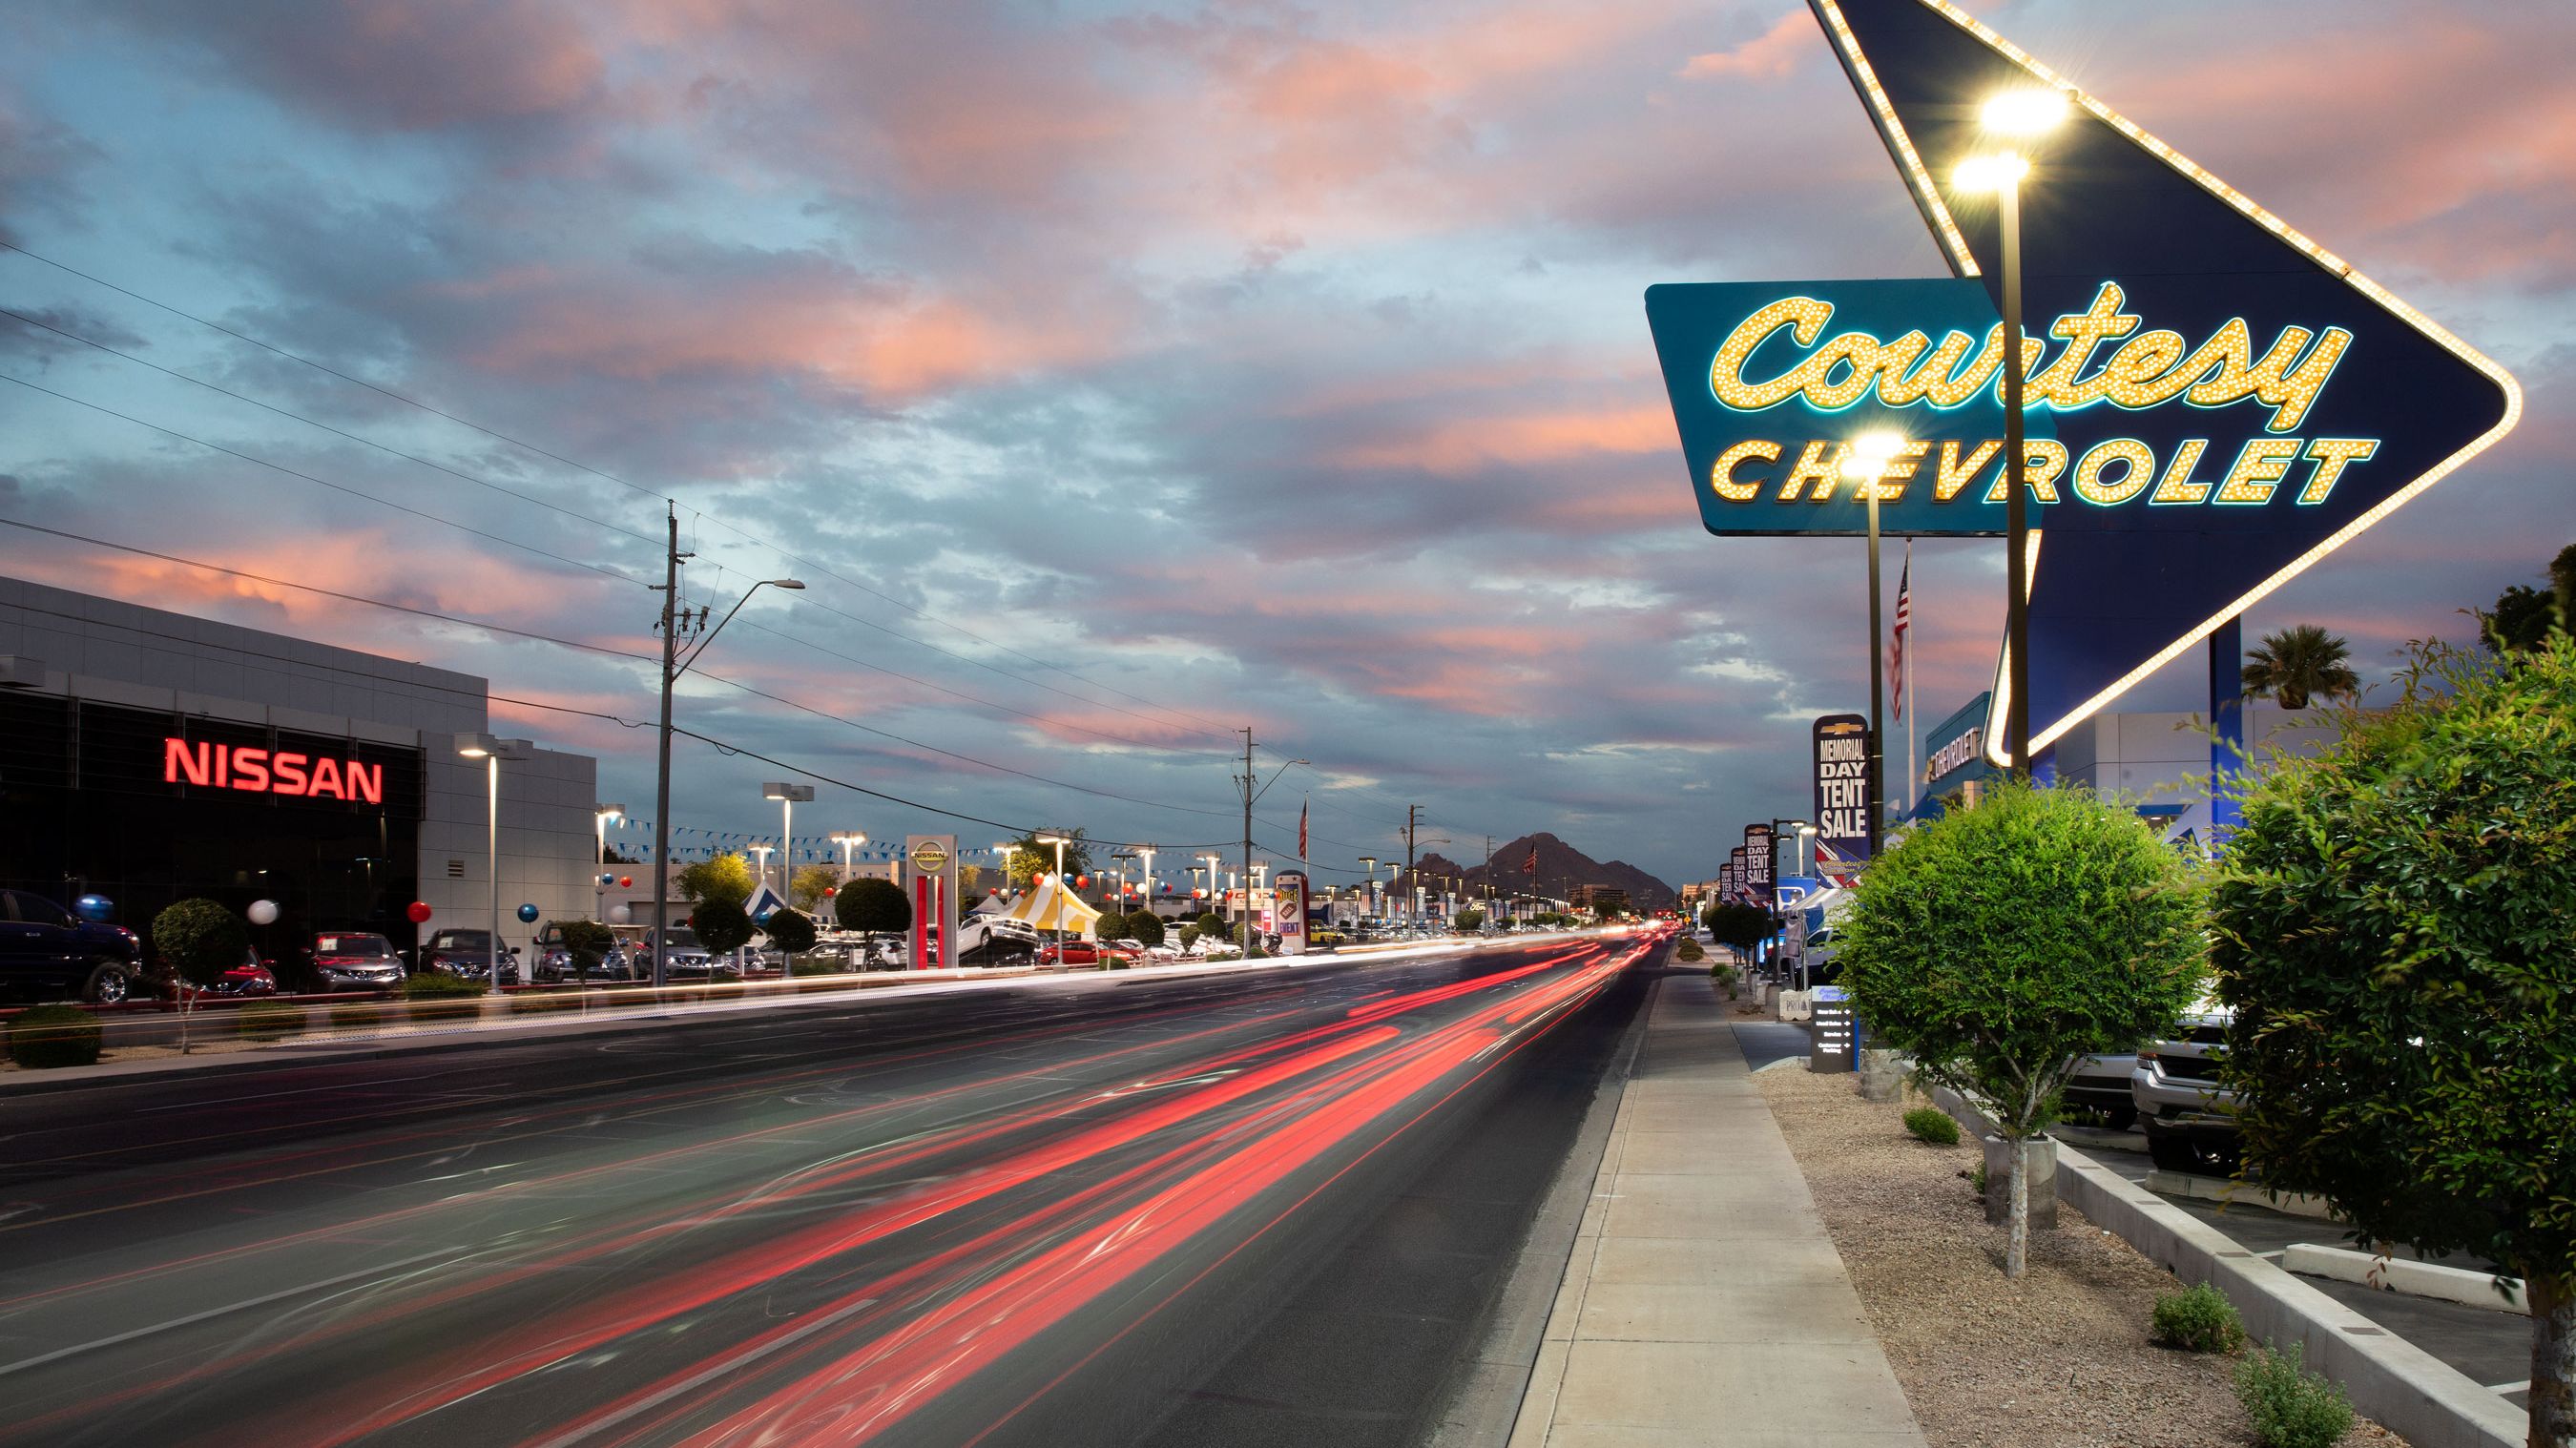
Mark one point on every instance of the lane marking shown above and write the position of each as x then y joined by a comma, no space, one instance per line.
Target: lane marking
210,1313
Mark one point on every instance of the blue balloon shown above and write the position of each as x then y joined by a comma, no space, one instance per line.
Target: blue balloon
94,908
528,914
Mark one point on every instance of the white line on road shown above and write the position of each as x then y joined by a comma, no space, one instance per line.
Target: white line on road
193,1318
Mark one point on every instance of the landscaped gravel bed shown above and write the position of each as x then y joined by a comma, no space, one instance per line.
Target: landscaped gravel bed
2059,1359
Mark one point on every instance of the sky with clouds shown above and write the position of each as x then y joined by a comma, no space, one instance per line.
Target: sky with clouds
1118,375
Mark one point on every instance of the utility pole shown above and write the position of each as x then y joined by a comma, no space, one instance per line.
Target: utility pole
662,789
1248,781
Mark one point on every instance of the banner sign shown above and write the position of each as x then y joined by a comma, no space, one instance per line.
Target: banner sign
2214,401
1288,908
1842,785
1758,862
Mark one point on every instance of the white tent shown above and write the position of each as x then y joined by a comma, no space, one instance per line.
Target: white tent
1047,906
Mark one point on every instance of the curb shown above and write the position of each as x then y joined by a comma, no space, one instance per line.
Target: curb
538,1030
2406,1275
2419,1397
2228,1193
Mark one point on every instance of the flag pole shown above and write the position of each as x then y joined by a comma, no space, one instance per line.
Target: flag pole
1905,692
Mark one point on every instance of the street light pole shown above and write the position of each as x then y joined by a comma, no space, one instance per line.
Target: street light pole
673,666
492,751
599,891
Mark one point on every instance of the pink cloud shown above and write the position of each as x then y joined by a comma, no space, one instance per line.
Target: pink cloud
1771,55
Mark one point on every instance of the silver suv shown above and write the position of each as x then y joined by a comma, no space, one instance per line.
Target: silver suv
2189,1119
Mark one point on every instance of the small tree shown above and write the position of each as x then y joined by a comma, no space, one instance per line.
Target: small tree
1212,925
2001,945
790,930
2391,925
1740,927
1029,859
806,889
877,907
2297,662
1469,922
586,941
721,925
201,940
1144,927
726,878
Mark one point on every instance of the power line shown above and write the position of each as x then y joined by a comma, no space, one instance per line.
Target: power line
334,431
499,436
319,482
596,649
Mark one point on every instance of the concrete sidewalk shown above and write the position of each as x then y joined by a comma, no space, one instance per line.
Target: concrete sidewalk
1704,1303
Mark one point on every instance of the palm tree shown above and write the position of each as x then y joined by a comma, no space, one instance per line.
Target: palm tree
2298,661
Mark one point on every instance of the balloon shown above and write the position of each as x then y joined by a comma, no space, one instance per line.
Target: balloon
527,914
625,882
417,912
94,908
621,914
831,892
262,912
1082,882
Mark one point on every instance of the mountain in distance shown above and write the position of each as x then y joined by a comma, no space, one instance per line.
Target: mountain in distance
1561,867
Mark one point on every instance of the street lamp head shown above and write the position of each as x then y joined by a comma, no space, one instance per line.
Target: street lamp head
1999,172
1870,454
1053,840
612,812
795,583
2023,112
477,746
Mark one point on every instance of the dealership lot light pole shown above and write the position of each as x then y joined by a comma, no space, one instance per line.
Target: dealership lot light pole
608,814
492,751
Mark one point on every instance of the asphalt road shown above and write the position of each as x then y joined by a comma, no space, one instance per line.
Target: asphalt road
1268,1207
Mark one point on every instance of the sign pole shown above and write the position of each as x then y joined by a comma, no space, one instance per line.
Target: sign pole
1877,681
2016,497
1905,701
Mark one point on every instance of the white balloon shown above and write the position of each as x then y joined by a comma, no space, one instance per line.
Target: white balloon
621,914
263,912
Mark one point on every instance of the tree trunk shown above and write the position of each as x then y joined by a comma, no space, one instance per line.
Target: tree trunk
2553,1360
187,1004
2017,1194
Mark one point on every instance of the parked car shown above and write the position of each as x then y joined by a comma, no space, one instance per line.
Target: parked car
555,959
2189,1119
468,953
1071,952
683,958
250,978
354,960
47,953
2101,1083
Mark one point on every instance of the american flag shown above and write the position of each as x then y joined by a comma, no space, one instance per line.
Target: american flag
1896,643
1530,865
1301,832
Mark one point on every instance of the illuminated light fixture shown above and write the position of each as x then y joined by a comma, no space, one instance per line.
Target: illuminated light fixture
1870,454
2023,113
1945,231
1990,173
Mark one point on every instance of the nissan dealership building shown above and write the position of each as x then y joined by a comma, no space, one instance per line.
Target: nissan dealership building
148,757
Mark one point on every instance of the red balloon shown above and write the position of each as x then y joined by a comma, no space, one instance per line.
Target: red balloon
831,890
418,911
1082,882
625,882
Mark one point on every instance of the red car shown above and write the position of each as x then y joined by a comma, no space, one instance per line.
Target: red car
1072,952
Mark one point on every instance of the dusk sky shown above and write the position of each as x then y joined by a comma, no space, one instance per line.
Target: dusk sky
1119,375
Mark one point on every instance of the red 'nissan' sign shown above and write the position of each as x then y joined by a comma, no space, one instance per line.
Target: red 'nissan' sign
271,771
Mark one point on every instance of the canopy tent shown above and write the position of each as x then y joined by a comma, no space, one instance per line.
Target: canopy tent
1047,906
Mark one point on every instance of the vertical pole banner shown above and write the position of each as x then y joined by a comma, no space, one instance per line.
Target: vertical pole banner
1288,907
1758,860
1842,784
932,859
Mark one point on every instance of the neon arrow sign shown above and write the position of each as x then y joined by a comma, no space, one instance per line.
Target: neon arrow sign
2216,403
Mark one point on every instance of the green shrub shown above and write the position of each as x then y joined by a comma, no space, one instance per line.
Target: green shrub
874,907
2198,1319
789,930
1189,936
2288,1407
721,926
1932,1124
201,940
268,1020
360,1016
1723,974
1212,923
1976,1176
437,996
43,1037
1689,951
1145,928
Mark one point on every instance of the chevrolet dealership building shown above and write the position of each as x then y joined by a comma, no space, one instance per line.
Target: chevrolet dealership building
149,756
